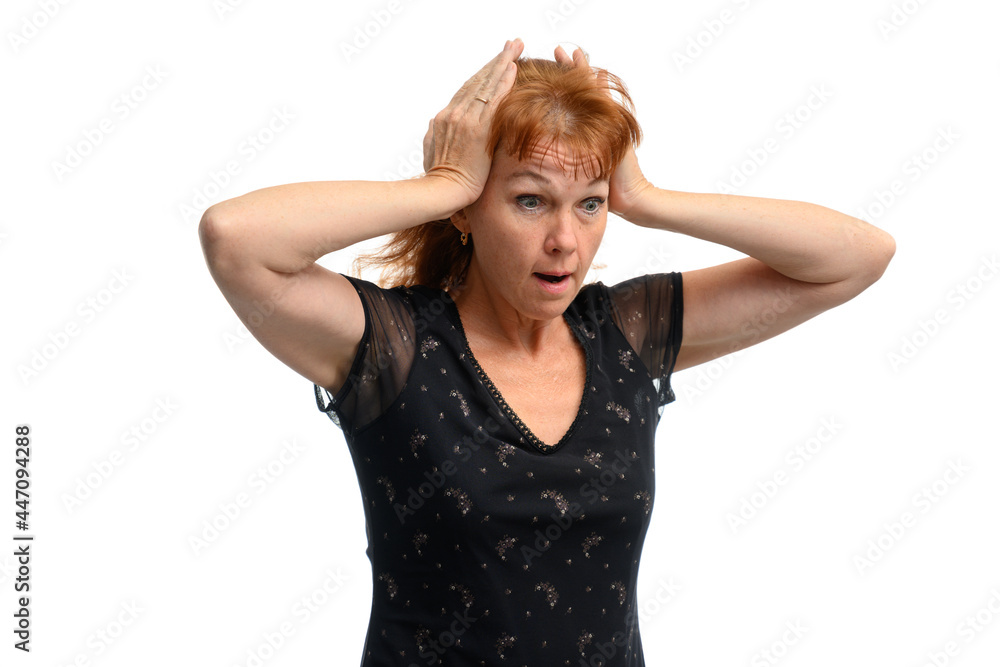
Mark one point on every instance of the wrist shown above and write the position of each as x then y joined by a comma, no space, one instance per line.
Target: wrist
452,195
637,208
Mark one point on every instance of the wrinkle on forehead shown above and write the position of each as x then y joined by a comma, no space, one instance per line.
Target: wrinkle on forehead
553,158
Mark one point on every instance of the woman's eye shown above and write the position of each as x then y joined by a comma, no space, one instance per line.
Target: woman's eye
594,205
532,201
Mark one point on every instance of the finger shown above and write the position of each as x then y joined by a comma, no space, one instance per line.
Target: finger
500,68
485,78
562,57
502,87
581,59
474,82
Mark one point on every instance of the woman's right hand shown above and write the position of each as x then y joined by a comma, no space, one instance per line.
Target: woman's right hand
455,143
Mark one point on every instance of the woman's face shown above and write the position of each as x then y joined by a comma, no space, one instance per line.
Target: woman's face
536,230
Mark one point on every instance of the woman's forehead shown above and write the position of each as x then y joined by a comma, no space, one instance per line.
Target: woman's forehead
552,162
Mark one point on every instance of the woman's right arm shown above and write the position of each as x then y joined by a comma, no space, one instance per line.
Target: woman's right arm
261,248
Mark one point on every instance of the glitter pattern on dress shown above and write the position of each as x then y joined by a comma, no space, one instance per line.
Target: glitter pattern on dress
487,546
551,595
622,413
506,543
389,491
561,503
505,450
592,541
461,401
417,440
429,345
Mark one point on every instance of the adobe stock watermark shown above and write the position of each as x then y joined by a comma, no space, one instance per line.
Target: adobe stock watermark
923,501
131,440
108,634
301,612
410,165
795,460
710,32
753,330
121,107
899,15
260,311
58,341
605,651
912,170
560,13
656,260
780,647
651,605
218,180
566,516
956,299
229,511
433,649
966,631
437,477
364,34
31,25
787,125
223,8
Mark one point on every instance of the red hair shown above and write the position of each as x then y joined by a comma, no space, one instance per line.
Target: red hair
549,102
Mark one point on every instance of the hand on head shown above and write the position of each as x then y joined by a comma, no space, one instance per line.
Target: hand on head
455,143
579,57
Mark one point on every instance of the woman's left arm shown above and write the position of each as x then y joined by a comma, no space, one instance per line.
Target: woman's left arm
803,259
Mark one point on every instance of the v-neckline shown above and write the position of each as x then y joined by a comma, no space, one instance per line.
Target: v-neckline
505,407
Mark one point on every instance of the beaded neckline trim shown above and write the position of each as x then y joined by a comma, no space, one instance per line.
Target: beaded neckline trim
507,410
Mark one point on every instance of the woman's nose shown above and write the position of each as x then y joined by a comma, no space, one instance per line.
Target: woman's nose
562,233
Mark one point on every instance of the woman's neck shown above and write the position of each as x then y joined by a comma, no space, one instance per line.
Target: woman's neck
492,320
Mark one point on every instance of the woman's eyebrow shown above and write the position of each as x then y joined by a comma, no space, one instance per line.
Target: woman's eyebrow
529,174
538,177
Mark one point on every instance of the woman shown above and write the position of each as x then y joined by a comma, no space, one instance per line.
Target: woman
499,412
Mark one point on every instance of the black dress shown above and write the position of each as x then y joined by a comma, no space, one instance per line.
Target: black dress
487,546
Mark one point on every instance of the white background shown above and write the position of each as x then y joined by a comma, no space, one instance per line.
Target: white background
163,331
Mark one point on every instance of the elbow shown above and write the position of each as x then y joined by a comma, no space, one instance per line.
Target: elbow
212,234
884,248
871,256
217,243
877,251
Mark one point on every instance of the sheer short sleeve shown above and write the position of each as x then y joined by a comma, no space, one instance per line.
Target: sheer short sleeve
382,363
649,310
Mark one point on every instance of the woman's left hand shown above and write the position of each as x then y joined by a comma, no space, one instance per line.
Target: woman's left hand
627,186
627,181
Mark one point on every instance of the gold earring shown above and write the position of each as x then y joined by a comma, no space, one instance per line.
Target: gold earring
465,239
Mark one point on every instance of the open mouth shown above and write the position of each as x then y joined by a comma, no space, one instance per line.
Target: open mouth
548,277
